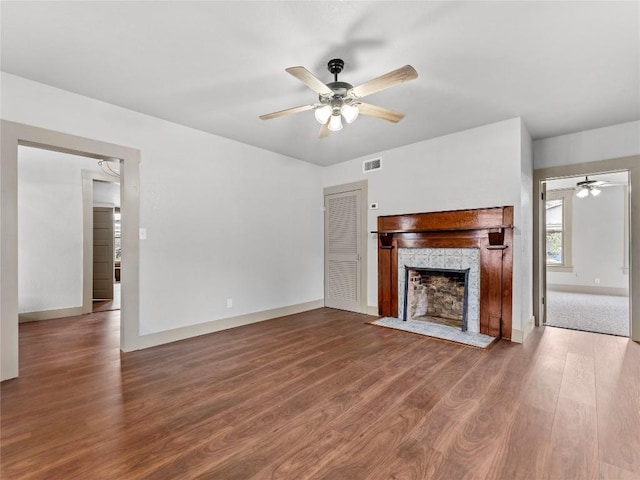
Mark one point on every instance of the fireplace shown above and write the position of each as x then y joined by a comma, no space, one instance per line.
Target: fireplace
436,295
480,240
443,259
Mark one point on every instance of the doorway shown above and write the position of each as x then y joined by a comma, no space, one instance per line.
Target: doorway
107,244
51,233
15,134
631,165
587,253
345,271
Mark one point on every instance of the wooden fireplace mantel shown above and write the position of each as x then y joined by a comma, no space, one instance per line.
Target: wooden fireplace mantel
488,229
459,229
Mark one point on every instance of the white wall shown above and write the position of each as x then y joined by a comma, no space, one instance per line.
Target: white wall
228,220
599,144
223,219
50,229
598,241
526,215
476,168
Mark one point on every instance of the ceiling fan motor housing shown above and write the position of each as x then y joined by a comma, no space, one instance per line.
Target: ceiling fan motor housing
335,66
340,89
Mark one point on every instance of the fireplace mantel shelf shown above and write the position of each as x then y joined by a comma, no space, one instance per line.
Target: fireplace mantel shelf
428,230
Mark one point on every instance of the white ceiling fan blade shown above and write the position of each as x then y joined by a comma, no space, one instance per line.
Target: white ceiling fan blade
269,116
380,112
396,77
310,80
324,130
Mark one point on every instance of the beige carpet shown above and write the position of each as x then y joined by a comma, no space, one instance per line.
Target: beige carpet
592,313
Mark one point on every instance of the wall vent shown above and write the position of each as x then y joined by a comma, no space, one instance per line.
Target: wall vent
370,165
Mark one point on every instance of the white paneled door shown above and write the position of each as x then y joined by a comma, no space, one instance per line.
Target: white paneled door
343,250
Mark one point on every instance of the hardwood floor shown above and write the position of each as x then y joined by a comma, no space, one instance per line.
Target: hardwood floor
319,395
106,305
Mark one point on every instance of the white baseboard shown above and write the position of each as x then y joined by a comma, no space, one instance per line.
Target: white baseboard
49,314
591,289
182,333
519,336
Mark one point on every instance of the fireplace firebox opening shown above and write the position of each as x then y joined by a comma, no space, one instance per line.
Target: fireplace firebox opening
436,295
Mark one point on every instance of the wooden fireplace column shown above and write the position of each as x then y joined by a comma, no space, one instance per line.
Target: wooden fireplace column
488,229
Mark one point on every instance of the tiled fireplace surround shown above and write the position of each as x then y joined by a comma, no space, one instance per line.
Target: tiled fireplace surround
479,239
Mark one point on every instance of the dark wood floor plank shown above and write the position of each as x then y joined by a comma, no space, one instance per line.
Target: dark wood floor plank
374,445
346,410
543,385
610,472
479,435
573,445
581,343
289,406
318,395
524,448
618,400
579,379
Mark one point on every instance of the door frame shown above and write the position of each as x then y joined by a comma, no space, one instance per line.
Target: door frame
630,164
363,186
14,134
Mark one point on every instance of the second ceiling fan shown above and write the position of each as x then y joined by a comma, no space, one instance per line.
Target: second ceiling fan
341,99
586,187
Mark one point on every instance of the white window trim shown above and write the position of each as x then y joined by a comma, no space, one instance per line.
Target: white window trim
566,195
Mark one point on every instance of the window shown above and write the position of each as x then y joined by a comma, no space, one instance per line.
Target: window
558,230
117,234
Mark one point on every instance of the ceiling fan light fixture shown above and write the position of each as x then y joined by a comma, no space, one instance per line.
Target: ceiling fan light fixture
335,124
349,112
339,99
323,113
595,191
582,192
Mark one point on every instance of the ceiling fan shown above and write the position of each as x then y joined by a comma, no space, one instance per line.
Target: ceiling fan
341,99
586,187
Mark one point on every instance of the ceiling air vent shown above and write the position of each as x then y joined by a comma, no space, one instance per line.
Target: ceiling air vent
370,165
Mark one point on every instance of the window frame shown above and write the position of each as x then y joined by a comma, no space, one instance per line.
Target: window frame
566,195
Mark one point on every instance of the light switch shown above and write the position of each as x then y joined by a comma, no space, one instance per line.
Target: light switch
143,234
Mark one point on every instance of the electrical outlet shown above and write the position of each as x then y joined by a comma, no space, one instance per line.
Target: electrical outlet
597,281
143,234
229,302
373,206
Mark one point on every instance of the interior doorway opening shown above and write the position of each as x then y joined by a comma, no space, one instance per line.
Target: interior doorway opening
586,249
15,135
107,246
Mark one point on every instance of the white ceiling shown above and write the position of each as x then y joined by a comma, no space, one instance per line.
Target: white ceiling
215,66
106,193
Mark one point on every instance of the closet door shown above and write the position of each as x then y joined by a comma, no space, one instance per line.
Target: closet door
343,255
